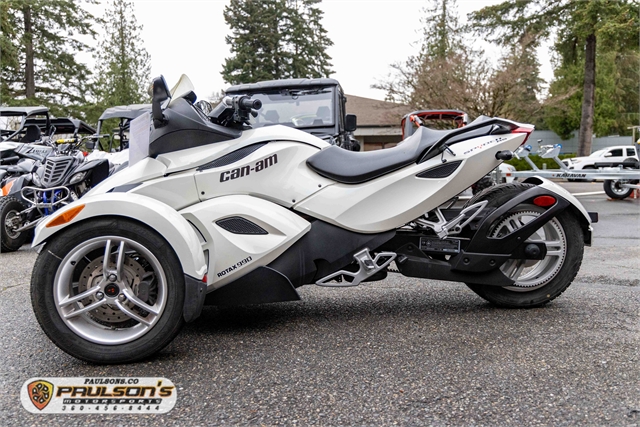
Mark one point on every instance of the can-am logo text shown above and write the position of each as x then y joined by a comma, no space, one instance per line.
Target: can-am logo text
246,170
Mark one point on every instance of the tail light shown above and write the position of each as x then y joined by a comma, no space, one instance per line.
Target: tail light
523,130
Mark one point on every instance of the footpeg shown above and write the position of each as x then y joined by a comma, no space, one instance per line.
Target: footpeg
368,267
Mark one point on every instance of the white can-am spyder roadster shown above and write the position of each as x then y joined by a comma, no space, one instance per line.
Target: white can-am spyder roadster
223,214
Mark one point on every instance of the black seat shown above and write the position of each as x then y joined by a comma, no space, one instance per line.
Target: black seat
32,134
351,167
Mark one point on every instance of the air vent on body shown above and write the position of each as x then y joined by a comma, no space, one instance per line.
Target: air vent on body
239,225
440,171
231,157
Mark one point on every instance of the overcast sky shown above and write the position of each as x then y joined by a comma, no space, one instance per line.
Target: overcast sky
187,36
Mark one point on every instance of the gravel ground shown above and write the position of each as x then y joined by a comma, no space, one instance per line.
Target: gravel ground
401,351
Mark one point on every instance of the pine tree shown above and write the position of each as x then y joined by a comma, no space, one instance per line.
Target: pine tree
40,66
122,63
275,39
308,40
581,26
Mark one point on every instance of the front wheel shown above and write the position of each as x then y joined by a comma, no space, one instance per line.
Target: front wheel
614,189
537,282
108,291
10,220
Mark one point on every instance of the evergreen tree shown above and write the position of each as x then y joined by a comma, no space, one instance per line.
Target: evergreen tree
40,66
275,39
122,63
581,26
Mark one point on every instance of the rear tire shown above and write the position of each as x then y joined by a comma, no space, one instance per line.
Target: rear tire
615,191
482,184
132,305
536,282
10,240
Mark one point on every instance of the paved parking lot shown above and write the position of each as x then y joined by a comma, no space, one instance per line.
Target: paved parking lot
401,351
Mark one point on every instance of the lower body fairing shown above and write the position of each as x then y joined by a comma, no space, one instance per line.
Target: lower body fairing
326,248
323,250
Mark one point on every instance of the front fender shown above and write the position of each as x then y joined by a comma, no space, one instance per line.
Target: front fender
165,220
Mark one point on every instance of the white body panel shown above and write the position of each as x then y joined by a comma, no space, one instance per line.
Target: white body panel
160,217
142,171
234,255
397,198
276,172
198,156
177,190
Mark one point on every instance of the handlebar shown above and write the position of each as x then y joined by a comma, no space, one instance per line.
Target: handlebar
247,103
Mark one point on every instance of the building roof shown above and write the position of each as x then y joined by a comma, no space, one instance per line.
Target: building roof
375,113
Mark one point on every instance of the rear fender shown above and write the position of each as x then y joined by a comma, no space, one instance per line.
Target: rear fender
165,220
576,207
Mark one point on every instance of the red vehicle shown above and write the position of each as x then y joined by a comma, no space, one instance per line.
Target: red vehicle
442,119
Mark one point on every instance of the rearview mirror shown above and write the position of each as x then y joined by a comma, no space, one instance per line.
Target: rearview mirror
205,106
351,123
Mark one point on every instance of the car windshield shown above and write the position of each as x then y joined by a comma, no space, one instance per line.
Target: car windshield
304,108
598,153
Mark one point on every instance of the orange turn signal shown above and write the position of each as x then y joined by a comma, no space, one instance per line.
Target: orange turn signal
7,187
65,217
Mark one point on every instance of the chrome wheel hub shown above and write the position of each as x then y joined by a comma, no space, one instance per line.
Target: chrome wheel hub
110,290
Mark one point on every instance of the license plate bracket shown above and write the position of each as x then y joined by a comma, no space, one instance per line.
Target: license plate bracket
441,246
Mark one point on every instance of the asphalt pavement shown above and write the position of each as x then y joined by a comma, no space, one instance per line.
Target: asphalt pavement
401,351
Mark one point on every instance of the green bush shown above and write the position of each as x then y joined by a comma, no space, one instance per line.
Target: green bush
522,165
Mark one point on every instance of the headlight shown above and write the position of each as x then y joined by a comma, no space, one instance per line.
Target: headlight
36,179
77,177
576,160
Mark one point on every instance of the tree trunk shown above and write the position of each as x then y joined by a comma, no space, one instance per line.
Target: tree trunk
29,74
589,97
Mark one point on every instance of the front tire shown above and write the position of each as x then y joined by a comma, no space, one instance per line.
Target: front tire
108,291
10,219
537,282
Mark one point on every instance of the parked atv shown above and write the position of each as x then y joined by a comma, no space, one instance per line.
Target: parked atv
41,188
20,137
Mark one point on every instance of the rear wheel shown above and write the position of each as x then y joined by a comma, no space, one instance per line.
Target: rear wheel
482,184
537,282
108,291
10,220
614,189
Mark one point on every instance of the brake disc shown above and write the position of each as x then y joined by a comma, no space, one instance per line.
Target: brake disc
134,274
